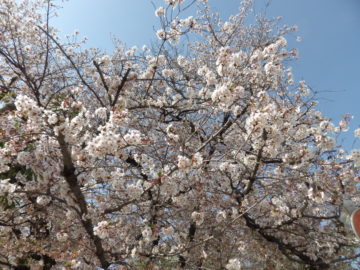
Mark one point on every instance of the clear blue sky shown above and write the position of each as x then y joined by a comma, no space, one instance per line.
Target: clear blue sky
329,50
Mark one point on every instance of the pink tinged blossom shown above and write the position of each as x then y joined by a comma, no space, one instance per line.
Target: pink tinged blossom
133,137
6,187
197,217
160,12
188,22
170,2
43,200
161,34
167,231
197,160
327,126
28,106
168,73
357,132
101,113
101,229
53,119
343,125
74,264
281,42
220,216
317,196
160,60
181,60
173,3
147,233
183,162
210,78
233,264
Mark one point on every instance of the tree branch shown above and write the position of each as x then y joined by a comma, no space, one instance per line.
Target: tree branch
73,65
120,87
71,179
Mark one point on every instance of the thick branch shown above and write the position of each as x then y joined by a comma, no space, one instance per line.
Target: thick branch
221,131
286,249
252,178
120,87
102,79
71,179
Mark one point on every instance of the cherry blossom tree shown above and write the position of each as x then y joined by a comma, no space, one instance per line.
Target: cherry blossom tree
200,152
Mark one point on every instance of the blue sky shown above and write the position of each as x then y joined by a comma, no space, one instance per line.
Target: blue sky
329,50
